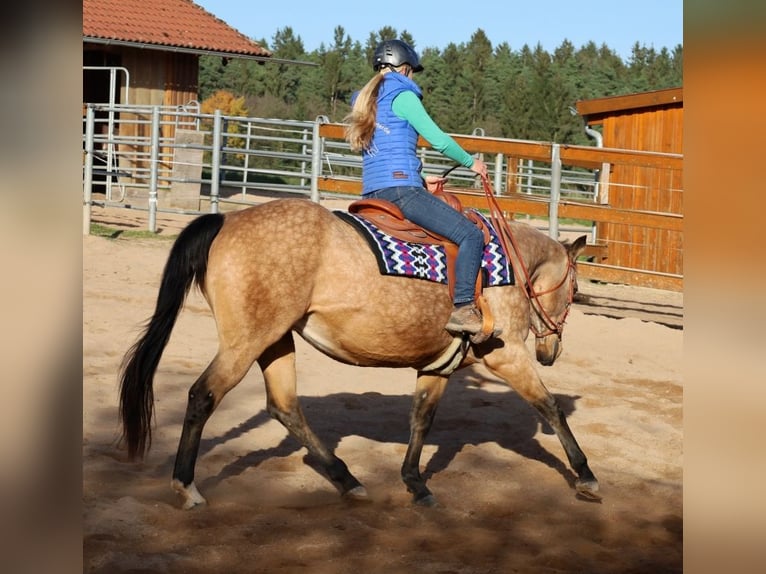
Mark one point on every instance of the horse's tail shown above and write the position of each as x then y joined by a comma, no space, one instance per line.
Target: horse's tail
186,265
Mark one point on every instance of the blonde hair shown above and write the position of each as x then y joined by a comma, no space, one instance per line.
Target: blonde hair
361,120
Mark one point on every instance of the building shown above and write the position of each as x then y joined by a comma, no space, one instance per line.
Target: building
146,52
649,121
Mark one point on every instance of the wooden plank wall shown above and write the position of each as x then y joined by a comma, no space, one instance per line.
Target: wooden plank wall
157,79
654,190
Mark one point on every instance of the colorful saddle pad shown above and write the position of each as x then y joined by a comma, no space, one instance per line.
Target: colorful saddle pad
426,261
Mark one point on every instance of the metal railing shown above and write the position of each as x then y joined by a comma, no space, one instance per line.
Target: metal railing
132,156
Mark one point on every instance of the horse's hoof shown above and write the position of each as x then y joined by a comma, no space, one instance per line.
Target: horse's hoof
358,494
587,489
190,495
429,501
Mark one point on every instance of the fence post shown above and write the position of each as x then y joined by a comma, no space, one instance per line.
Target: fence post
154,169
480,133
529,170
215,160
553,206
316,158
304,148
87,186
499,173
247,159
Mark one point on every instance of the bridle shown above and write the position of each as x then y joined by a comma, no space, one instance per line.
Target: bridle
550,326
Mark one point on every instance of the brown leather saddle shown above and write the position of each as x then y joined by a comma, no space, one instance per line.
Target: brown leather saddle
389,219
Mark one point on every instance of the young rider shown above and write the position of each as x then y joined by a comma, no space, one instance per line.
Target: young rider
386,119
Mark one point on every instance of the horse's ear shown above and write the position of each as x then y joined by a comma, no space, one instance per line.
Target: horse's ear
576,247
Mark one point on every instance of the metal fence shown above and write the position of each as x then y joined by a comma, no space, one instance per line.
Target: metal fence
135,156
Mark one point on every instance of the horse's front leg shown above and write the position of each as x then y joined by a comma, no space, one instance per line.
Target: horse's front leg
515,366
586,483
428,391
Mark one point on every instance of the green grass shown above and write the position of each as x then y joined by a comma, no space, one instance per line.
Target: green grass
579,222
562,220
113,233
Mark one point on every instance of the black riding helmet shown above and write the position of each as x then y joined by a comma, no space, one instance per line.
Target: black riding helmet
395,53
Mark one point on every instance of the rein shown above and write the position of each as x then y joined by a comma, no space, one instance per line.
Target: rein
501,225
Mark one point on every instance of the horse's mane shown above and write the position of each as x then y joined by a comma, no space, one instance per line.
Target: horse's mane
536,246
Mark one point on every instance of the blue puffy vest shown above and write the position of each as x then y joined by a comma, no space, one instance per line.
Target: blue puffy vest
391,159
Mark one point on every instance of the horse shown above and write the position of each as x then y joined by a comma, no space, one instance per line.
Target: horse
291,266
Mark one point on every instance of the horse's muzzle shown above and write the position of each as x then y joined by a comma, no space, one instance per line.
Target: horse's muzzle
548,349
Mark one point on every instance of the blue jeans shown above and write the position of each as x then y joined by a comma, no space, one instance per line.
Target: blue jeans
422,207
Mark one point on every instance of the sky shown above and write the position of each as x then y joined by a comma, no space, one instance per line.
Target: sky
619,25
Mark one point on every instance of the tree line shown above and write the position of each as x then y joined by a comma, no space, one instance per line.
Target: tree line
523,94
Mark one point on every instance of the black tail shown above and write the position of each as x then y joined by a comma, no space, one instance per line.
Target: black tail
186,265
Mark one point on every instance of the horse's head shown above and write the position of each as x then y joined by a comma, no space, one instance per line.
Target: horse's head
550,296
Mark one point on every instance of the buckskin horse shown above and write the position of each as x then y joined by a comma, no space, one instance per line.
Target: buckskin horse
292,266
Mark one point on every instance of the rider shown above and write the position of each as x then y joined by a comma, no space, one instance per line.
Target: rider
386,118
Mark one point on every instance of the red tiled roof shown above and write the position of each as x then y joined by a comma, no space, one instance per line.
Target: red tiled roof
173,23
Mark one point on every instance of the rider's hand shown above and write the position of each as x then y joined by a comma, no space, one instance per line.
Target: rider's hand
479,167
434,182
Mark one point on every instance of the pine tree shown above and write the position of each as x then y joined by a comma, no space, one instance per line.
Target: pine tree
525,93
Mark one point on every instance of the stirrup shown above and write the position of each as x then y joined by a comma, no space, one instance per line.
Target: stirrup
488,323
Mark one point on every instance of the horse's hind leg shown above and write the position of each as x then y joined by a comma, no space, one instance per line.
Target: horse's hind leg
428,392
222,374
278,365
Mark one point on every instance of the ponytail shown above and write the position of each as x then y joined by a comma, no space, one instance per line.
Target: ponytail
361,120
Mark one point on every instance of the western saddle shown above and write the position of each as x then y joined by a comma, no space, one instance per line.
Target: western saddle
389,219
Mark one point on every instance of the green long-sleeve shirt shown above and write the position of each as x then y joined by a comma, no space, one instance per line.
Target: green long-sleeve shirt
408,106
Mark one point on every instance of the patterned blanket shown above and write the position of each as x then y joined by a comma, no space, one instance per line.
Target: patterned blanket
402,258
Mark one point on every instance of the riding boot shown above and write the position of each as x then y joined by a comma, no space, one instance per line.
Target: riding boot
465,319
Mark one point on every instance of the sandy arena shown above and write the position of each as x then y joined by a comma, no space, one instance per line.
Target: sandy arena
507,502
